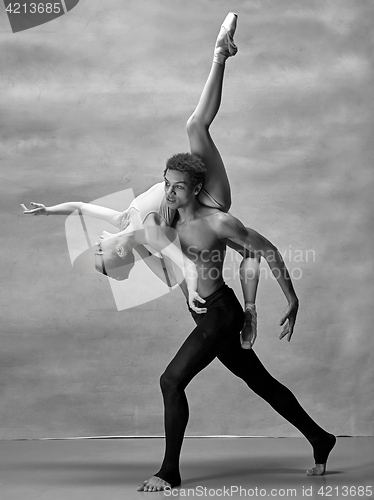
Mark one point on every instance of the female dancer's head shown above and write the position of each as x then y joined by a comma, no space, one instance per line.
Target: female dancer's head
115,259
184,176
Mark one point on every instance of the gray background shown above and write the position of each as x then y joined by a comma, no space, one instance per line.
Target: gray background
95,102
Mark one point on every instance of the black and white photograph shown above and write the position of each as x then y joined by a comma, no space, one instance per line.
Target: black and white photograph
187,253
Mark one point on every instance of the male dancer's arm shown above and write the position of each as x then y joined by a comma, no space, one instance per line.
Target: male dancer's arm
184,270
156,265
231,228
161,238
249,272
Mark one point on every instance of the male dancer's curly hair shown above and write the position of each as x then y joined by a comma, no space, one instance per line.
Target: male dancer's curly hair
189,163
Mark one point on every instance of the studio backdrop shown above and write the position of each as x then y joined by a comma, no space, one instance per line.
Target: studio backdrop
93,103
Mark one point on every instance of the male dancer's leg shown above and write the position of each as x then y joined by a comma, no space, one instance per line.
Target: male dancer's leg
209,338
247,366
216,190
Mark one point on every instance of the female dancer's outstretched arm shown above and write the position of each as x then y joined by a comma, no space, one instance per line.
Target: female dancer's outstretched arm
107,214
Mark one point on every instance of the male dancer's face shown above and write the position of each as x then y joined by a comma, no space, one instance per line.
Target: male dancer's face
178,189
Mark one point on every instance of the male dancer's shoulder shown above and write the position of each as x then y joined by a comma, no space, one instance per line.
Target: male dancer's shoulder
226,225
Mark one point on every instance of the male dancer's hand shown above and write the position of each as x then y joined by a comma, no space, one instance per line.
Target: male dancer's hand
192,296
290,315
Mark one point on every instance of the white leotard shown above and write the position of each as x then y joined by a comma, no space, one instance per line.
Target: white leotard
153,202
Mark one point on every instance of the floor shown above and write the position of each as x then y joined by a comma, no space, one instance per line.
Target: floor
110,469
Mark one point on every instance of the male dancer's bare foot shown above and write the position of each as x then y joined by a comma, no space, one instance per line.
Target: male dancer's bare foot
154,484
317,470
249,332
322,449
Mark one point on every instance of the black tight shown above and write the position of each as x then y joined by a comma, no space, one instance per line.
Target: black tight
217,335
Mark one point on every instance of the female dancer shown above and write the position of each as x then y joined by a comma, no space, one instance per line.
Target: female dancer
153,209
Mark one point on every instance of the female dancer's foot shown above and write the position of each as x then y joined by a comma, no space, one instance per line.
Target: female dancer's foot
249,332
225,46
322,449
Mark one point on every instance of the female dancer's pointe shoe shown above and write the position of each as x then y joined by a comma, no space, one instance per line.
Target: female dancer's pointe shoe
225,46
247,344
318,470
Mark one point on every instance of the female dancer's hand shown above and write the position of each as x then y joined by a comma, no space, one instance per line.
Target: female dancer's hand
39,209
123,220
192,296
290,315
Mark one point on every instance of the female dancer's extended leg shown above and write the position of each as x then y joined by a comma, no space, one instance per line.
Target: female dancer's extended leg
216,191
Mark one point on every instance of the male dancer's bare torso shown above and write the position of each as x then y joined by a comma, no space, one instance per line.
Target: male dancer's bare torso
199,241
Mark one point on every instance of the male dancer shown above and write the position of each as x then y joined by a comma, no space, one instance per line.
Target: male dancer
203,233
